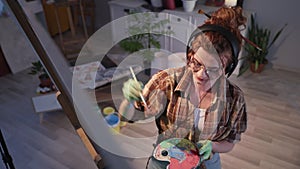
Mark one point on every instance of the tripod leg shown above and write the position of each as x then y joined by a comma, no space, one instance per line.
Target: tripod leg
5,154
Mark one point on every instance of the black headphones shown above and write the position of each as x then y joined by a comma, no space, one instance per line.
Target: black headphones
228,35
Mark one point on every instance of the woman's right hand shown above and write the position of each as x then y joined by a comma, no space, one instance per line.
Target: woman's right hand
132,89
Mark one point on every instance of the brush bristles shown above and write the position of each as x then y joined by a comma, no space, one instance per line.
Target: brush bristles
200,11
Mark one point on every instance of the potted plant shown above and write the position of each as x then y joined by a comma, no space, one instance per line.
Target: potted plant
256,55
38,69
144,33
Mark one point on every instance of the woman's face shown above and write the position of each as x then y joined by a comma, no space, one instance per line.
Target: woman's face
206,69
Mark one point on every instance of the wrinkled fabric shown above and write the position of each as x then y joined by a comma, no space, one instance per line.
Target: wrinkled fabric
167,95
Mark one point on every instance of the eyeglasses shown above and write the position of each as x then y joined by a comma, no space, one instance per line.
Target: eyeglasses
196,66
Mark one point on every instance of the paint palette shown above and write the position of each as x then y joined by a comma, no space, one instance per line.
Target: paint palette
180,153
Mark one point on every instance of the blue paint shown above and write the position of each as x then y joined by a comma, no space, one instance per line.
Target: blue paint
112,119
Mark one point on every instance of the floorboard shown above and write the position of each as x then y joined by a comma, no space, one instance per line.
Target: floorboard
272,140
54,144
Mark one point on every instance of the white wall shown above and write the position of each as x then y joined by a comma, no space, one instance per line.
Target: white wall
270,13
274,14
16,48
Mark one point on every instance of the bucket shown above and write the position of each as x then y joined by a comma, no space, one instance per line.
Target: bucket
113,121
108,110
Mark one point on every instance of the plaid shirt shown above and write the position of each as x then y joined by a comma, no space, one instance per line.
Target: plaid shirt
167,96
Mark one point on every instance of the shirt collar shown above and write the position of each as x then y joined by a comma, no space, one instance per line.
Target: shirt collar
185,81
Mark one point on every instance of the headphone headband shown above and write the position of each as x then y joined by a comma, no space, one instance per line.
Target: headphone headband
228,35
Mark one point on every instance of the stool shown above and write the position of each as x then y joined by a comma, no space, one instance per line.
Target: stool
89,12
74,40
45,103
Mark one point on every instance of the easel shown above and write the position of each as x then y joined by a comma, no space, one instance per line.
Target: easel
51,57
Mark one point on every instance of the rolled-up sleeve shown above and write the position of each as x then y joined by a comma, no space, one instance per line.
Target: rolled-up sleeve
156,93
238,120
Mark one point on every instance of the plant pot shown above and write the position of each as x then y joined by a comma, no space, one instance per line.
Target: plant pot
147,67
259,69
45,81
159,62
188,5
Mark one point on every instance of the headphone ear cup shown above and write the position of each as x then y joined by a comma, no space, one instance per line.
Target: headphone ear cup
187,52
231,69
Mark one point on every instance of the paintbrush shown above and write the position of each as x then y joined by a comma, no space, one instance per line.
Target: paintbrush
251,43
135,79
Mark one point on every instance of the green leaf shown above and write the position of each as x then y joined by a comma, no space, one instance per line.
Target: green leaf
261,37
156,44
141,23
37,68
277,35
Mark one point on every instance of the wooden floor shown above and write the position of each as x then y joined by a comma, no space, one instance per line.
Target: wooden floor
272,140
51,145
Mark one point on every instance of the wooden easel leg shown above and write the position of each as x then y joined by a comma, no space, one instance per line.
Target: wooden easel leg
73,118
96,157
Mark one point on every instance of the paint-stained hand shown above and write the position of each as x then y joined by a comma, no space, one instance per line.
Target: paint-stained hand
132,89
205,149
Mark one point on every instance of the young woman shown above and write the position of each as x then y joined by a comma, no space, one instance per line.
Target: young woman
197,102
